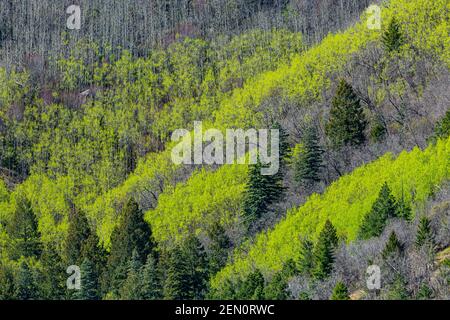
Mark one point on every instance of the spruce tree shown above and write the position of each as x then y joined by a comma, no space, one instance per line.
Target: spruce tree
403,209
392,37
132,286
25,284
23,230
392,248
89,282
218,249
424,233
347,120
340,292
151,280
309,162
383,208
53,283
276,289
252,288
398,290
306,261
132,234
324,251
187,271
77,233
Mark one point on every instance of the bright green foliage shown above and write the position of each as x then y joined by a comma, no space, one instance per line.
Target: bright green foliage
309,160
89,282
23,229
324,251
393,37
344,203
340,292
393,247
187,272
424,234
384,208
347,120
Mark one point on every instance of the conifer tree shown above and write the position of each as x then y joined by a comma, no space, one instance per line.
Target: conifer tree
276,289
403,209
392,37
398,290
23,229
132,234
218,248
347,120
383,208
424,232
77,233
132,286
306,261
252,288
392,248
151,280
309,161
25,284
340,292
89,282
425,292
324,251
53,283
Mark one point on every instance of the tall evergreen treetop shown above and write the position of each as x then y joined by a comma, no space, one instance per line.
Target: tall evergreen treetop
340,292
77,233
309,161
347,120
424,232
324,251
393,247
392,37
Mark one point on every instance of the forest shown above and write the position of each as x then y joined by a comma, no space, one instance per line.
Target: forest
89,190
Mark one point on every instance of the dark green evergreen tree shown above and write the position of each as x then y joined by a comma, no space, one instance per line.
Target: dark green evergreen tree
306,261
393,247
398,290
187,272
77,234
277,288
89,282
25,284
425,292
392,37
151,280
324,251
309,162
218,249
442,129
52,284
403,209
347,120
132,234
424,233
252,288
340,292
23,230
383,208
132,286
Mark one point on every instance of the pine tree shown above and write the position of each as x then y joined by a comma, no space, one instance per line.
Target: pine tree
309,161
132,234
424,233
347,120
25,284
277,287
392,248
340,292
23,229
252,288
397,290
306,261
442,129
324,251
403,209
89,282
53,283
218,248
383,208
392,37
151,281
